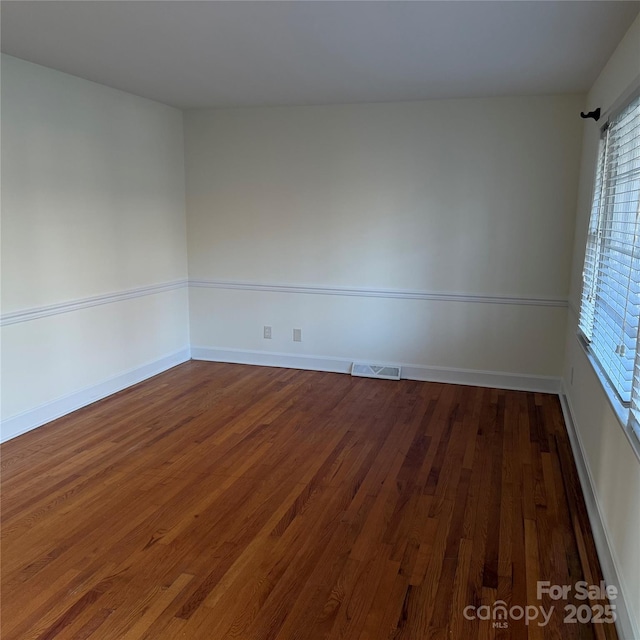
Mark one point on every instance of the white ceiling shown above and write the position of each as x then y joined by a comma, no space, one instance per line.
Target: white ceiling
205,54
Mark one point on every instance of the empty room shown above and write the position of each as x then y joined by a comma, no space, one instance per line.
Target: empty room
320,319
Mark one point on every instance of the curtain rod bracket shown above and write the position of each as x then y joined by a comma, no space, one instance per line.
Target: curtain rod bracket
591,114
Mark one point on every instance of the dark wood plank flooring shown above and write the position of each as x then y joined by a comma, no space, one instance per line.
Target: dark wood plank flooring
222,501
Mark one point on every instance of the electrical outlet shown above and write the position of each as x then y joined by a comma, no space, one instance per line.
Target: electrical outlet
297,335
267,333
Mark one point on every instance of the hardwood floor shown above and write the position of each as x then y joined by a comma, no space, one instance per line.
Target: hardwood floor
224,501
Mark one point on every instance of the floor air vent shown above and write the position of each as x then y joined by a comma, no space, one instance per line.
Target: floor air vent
375,371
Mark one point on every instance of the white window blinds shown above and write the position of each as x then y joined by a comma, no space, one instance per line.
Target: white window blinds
610,306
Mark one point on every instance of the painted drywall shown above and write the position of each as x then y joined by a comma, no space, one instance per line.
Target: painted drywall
457,196
93,203
613,466
448,334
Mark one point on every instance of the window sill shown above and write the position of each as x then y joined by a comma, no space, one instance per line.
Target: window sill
621,412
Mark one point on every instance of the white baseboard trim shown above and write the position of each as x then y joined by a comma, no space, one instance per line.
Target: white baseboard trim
543,384
475,378
625,624
23,422
272,359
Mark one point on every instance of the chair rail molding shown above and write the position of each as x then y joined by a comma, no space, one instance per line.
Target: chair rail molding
368,292
34,313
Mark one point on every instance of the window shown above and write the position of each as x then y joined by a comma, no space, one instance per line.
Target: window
610,307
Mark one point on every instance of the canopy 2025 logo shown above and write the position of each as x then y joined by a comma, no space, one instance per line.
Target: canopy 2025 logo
500,614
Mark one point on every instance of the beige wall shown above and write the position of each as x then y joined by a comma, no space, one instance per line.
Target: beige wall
455,196
612,464
92,204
